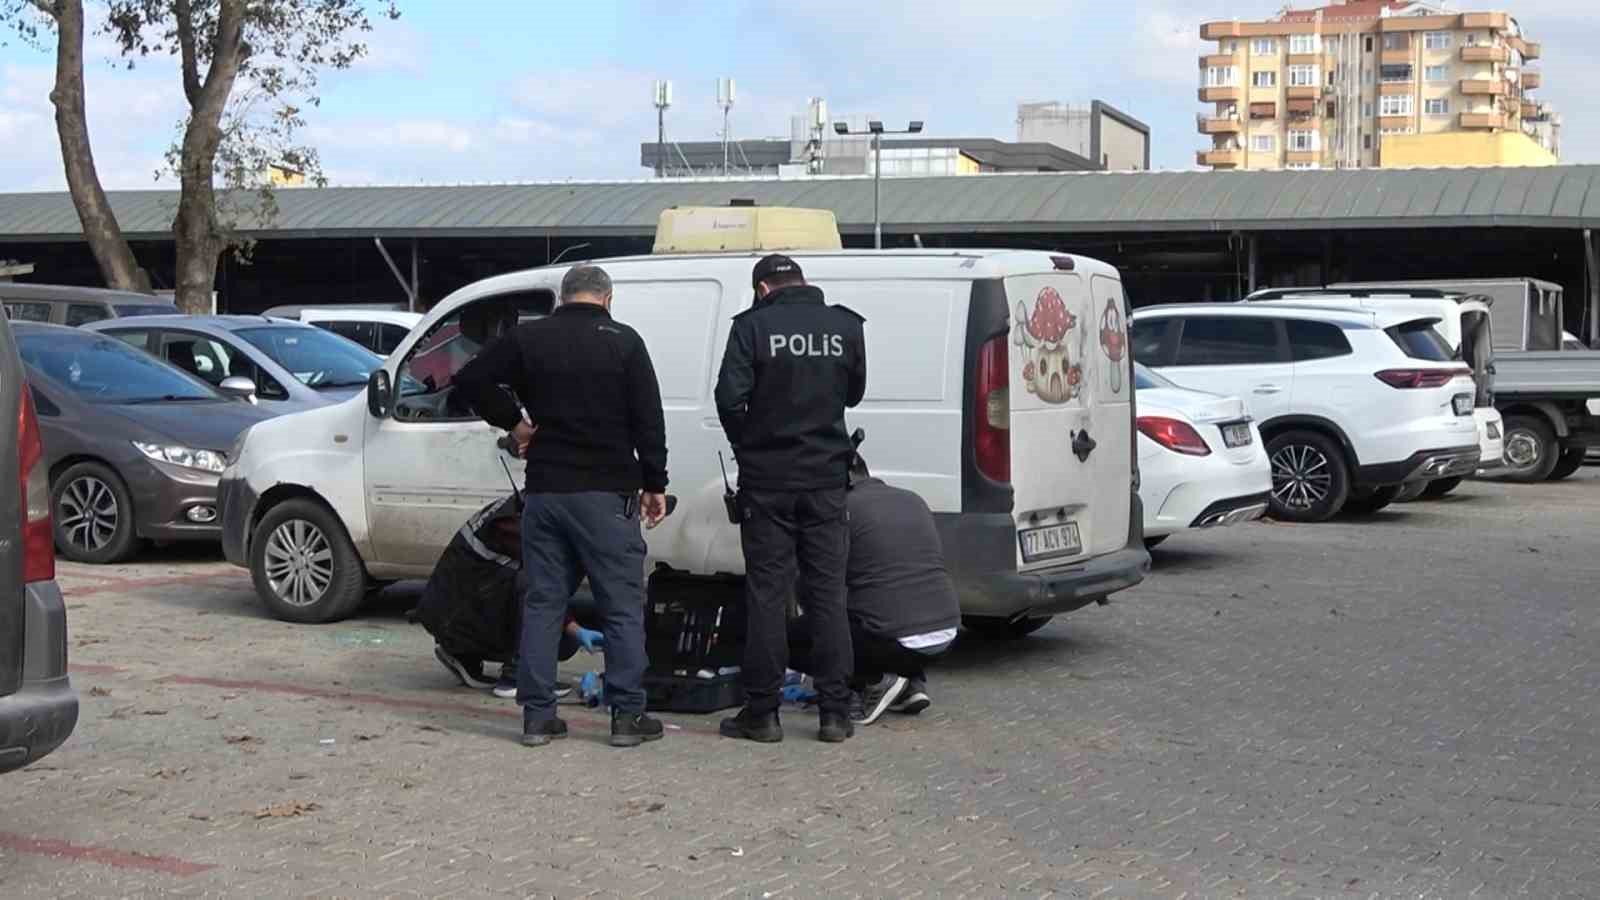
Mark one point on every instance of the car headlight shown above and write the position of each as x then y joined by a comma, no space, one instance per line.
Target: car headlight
188,457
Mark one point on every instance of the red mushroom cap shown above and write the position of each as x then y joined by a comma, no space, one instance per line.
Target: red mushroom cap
1050,317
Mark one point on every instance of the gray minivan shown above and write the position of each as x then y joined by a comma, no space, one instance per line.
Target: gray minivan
66,304
38,708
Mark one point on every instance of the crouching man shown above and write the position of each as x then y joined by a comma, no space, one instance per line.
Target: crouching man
901,603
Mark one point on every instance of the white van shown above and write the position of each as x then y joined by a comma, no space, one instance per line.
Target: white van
998,387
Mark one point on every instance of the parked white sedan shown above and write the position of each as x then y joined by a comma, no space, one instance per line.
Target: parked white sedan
1201,459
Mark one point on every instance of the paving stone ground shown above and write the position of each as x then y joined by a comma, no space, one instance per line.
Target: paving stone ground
1402,705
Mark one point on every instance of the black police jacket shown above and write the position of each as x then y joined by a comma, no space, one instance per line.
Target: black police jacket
792,365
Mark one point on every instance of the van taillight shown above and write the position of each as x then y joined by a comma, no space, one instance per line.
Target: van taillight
991,438
38,544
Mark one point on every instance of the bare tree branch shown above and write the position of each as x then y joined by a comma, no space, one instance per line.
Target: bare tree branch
184,14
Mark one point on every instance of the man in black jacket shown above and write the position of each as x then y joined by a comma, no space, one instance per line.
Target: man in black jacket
792,366
599,464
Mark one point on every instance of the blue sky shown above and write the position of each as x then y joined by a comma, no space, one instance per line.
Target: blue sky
521,90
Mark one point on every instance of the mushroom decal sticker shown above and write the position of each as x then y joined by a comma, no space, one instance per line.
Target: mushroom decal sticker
1047,370
1114,341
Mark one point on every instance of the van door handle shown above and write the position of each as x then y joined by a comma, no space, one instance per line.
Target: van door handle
1268,389
1082,445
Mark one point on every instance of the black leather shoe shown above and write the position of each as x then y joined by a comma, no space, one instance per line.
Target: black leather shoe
762,728
633,729
836,728
538,732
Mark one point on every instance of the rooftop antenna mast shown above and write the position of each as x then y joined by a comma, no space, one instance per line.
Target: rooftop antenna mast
661,96
817,113
725,100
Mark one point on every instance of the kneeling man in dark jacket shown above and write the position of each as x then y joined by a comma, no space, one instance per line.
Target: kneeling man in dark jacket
901,602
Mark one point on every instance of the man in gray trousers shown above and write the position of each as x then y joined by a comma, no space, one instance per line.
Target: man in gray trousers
598,466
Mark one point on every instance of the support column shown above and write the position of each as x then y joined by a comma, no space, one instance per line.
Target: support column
1252,239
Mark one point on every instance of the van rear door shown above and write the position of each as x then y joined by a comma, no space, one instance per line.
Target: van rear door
1070,435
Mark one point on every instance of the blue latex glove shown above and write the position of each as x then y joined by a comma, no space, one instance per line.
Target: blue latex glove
592,641
798,693
591,688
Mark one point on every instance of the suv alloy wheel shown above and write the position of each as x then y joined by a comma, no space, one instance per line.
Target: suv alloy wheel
1310,479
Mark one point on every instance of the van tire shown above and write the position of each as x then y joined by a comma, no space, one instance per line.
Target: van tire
1311,453
1441,486
997,628
319,574
1531,452
1567,463
93,490
1366,501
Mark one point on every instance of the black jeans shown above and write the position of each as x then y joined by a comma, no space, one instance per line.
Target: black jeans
874,655
782,532
565,536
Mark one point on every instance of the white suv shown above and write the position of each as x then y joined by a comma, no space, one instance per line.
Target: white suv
1352,403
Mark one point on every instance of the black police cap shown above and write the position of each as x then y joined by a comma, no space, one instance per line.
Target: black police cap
775,266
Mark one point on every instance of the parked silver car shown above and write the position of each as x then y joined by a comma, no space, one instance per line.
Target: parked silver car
133,446
69,304
38,708
292,365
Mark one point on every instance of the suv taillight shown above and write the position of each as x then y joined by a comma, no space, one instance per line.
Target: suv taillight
1420,378
991,437
38,543
1174,434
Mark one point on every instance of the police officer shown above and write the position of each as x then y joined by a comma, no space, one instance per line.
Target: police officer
598,465
792,365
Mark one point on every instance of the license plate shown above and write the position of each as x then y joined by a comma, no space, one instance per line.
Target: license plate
1050,542
1463,404
1236,434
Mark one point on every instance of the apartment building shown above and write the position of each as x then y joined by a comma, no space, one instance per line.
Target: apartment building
1367,83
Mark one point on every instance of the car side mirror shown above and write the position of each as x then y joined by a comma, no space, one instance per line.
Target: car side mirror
380,394
240,387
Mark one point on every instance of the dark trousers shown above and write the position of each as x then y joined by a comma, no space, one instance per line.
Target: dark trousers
784,533
874,655
565,536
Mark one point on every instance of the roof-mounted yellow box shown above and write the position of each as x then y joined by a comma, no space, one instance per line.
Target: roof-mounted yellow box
708,229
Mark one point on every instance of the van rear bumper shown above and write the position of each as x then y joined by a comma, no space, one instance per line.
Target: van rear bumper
980,553
40,716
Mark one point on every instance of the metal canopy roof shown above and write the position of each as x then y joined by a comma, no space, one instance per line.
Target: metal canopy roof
1551,197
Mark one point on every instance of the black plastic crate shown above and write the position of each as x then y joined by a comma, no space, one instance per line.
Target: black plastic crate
690,694
694,624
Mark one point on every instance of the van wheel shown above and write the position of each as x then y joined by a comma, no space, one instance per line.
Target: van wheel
93,515
1568,463
1441,486
304,566
1366,501
1310,480
1531,453
1001,629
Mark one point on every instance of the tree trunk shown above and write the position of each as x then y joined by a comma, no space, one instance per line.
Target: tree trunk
111,251
196,230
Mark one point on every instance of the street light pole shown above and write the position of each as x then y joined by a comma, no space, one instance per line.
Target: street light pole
876,129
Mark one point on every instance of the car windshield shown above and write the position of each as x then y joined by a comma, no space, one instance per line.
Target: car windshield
104,370
1144,379
316,358
143,309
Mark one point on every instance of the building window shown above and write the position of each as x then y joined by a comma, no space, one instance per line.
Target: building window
1437,40
1263,47
1263,143
1230,47
1220,76
1302,76
1403,130
1302,141
1369,43
1302,43
1397,42
1395,74
1330,76
1303,166
1395,105
1264,79
1436,73
1366,139
1372,75
1439,106
1366,108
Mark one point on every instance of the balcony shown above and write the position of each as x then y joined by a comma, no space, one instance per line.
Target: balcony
1530,109
1396,121
1306,59
1263,110
1212,31
1396,56
1483,87
1301,107
1229,94
1529,49
1493,21
1531,79
1220,158
1303,156
1396,88
1486,54
1483,120
1218,124
1305,92
1217,59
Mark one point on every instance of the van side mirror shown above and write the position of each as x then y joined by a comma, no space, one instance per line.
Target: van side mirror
380,394
239,387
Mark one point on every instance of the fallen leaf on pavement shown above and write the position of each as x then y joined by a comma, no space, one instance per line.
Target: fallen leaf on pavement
242,739
429,728
287,809
169,773
153,712
98,691
199,818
